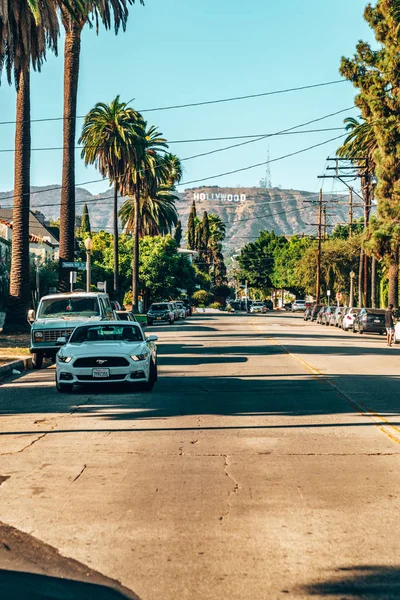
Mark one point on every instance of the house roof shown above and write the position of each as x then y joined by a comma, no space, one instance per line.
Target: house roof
36,228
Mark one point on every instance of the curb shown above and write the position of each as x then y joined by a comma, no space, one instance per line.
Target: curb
21,364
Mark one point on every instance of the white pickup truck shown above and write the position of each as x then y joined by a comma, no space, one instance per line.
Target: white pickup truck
58,315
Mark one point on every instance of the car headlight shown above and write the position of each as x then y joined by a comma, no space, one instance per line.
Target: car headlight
38,336
137,357
64,359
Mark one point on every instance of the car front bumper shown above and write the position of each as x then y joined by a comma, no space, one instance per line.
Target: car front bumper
136,372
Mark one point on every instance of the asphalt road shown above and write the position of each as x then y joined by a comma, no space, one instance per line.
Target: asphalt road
264,464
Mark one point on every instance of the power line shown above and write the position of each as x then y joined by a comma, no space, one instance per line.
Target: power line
262,163
59,187
199,140
192,104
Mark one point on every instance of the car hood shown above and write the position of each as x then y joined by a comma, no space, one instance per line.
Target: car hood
105,348
63,322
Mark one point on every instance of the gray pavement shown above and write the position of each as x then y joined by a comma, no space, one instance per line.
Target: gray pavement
264,464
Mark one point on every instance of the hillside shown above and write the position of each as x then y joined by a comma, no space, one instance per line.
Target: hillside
246,211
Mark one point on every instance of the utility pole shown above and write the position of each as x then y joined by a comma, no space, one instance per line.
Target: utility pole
367,210
324,222
351,213
319,247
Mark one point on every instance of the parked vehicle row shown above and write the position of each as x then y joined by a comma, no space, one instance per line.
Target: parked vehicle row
359,320
167,312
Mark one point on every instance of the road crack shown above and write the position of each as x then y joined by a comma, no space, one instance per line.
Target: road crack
232,492
25,447
79,474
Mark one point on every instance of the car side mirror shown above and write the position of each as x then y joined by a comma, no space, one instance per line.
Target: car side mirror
31,315
61,341
152,338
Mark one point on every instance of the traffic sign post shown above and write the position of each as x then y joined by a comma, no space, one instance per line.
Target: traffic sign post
80,266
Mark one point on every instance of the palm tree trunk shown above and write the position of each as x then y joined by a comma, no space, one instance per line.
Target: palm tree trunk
373,282
135,265
360,279
394,281
116,266
67,209
19,276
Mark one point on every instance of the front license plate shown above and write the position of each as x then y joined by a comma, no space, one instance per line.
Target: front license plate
377,321
100,373
159,318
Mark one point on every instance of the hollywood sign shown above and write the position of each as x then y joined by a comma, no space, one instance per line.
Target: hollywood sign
224,197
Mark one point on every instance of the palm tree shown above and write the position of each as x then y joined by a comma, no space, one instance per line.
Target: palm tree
27,29
105,11
174,169
157,213
360,146
110,135
147,170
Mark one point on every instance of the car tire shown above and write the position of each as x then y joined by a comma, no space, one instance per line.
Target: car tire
64,388
149,322
171,321
37,360
360,330
147,386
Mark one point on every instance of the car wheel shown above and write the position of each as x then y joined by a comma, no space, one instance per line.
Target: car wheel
37,360
360,330
149,322
147,386
64,388
171,321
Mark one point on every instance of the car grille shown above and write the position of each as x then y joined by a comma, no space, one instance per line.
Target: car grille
101,361
91,378
52,335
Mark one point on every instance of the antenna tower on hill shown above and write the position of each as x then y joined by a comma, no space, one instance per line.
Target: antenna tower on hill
266,182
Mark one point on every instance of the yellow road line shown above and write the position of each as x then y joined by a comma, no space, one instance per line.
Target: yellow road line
359,407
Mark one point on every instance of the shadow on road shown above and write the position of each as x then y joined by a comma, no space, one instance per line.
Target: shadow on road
368,582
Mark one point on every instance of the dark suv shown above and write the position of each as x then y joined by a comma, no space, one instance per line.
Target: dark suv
161,311
314,312
370,320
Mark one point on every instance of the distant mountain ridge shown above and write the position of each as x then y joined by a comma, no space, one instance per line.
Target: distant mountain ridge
246,211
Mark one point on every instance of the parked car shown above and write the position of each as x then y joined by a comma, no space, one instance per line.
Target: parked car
348,318
269,305
161,312
180,309
314,311
287,306
125,315
58,315
320,314
115,305
333,321
370,320
326,315
98,353
307,313
236,304
258,307
298,306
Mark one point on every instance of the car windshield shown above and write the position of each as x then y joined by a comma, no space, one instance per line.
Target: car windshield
106,333
68,306
159,307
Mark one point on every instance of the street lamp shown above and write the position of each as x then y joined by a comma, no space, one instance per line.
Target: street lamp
352,275
38,262
88,246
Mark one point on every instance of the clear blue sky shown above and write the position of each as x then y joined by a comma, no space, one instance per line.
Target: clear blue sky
179,51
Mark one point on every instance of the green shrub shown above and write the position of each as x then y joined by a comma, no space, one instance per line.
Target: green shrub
201,298
216,305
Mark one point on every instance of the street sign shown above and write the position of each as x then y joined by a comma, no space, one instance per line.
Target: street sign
328,293
81,266
101,286
339,296
72,277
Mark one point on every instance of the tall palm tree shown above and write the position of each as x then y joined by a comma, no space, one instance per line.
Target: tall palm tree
361,143
27,29
157,213
96,11
174,169
110,136
147,170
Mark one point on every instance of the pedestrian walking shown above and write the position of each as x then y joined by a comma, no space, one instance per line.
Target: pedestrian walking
389,324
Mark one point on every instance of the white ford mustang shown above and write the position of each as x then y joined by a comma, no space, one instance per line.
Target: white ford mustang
106,352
